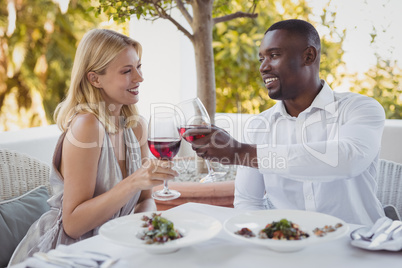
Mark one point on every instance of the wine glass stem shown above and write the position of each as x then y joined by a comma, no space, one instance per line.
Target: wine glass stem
209,167
165,187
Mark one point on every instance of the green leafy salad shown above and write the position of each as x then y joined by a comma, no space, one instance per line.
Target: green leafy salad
159,230
282,230
277,230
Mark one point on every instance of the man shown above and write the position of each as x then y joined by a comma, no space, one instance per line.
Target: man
315,149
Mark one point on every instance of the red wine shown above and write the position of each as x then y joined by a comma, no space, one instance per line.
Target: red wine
164,148
194,137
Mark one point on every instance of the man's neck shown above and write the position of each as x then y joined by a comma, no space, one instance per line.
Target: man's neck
295,106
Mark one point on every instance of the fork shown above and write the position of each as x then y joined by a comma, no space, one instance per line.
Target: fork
378,226
386,235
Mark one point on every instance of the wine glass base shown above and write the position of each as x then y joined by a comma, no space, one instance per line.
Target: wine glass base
163,195
212,177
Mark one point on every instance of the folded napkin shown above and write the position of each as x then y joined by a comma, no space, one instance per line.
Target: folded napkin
64,256
386,235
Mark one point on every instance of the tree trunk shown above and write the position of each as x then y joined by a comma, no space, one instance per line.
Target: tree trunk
204,61
204,56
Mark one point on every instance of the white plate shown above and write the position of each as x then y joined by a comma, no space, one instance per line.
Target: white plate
195,228
307,221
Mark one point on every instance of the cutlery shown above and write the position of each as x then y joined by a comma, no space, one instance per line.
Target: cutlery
356,234
397,233
366,233
386,235
378,227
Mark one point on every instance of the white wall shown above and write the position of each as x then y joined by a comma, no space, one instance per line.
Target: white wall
167,62
39,142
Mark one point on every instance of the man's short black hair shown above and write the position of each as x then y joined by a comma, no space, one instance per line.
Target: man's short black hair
299,27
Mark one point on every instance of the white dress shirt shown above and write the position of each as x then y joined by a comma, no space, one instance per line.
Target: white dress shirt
324,160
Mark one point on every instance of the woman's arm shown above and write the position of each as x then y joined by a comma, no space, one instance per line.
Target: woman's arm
81,150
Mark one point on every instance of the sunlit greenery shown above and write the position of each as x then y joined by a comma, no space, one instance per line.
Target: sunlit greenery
200,17
36,57
239,86
384,83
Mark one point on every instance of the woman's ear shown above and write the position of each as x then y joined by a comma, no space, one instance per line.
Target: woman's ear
310,55
93,78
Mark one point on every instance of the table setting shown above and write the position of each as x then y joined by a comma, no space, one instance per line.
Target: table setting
385,234
201,235
218,246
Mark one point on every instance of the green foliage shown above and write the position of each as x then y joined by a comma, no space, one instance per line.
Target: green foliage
331,64
239,87
36,59
383,83
121,11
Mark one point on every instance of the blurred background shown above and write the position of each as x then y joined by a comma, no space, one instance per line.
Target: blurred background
38,39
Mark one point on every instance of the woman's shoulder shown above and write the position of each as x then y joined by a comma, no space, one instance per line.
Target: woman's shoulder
86,127
140,129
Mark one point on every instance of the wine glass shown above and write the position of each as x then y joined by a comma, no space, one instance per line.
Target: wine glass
194,115
164,143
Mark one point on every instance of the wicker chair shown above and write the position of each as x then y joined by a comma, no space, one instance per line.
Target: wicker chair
389,179
20,173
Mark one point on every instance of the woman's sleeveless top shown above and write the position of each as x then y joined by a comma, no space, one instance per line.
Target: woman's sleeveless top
47,232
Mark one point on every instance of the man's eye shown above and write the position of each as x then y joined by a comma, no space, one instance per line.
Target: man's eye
261,60
274,55
126,72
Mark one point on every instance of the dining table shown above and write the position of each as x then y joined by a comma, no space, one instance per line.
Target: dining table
223,250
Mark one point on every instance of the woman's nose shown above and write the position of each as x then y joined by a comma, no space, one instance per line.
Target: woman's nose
137,77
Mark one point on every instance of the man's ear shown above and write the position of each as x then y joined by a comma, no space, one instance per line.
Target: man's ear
93,78
310,55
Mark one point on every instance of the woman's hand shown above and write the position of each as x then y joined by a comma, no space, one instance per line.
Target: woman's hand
152,173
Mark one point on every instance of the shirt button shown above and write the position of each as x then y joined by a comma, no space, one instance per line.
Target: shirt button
309,197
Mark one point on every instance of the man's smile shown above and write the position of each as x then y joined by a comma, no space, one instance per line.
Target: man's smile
267,81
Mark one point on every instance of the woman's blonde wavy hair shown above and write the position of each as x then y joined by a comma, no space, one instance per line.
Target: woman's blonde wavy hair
94,53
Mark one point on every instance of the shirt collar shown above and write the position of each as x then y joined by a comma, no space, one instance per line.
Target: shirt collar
279,109
324,101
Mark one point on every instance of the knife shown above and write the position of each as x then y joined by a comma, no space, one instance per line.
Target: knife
384,236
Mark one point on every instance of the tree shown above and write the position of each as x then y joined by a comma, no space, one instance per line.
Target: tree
383,83
36,57
201,15
239,86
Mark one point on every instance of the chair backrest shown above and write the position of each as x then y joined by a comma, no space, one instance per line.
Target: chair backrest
389,179
20,173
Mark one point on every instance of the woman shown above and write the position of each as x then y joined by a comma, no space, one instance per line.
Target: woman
103,141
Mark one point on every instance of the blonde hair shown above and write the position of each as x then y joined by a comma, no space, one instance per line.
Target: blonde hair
94,53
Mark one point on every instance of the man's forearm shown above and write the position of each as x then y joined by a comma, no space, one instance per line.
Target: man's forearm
246,155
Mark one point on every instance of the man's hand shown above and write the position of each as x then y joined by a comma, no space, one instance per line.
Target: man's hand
215,144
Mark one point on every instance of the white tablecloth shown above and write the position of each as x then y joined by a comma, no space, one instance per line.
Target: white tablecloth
225,251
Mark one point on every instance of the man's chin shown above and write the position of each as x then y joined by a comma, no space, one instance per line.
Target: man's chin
274,94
